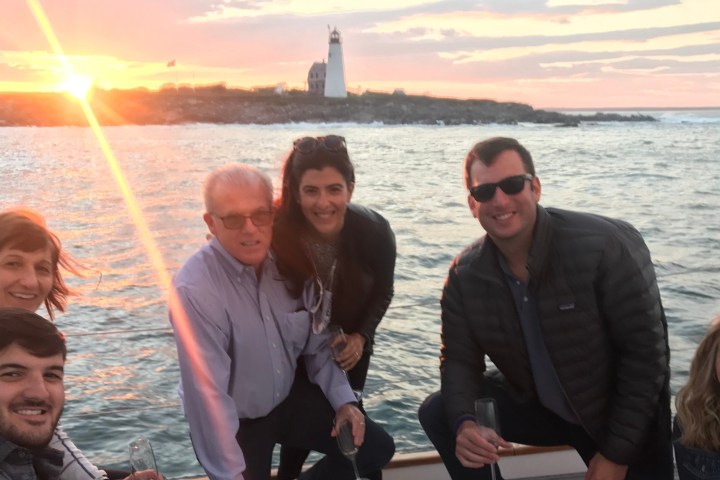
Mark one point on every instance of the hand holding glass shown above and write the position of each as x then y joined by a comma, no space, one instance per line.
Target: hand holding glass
142,457
347,446
486,416
337,340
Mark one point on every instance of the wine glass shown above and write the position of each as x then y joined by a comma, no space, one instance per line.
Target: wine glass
347,445
486,416
141,456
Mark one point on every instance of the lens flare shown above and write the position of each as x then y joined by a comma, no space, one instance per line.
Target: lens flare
183,326
77,86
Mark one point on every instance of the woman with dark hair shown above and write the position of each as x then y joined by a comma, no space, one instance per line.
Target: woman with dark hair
30,261
696,430
348,250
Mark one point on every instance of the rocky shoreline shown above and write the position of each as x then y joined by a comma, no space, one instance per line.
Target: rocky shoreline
223,106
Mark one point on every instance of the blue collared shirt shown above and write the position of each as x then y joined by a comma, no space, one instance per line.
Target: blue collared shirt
248,334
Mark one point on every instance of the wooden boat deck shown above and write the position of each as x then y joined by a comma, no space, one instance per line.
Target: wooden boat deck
522,462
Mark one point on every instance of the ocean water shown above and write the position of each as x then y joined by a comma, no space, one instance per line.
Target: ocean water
664,177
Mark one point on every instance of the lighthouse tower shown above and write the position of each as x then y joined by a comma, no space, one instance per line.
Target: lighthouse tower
335,73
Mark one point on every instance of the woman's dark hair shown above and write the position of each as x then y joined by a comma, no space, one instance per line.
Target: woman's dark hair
25,230
30,331
293,261
296,164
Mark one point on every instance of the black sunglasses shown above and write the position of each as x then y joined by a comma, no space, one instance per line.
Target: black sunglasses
259,218
331,143
510,185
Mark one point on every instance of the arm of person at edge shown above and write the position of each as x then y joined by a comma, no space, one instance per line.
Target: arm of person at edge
207,384
381,257
325,372
462,365
75,465
638,337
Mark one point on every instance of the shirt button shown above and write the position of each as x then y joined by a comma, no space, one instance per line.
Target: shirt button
278,372
274,346
525,299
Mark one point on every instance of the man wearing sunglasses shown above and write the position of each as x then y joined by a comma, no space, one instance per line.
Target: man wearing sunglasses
566,306
239,333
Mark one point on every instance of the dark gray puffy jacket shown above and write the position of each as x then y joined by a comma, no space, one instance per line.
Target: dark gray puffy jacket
601,318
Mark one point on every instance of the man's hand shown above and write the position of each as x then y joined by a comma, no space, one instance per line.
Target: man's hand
145,475
600,468
477,446
350,413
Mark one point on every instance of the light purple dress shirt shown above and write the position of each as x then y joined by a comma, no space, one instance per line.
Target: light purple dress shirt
249,334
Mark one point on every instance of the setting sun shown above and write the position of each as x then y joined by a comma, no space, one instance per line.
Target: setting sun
77,86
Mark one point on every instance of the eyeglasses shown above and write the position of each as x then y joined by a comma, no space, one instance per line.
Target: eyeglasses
259,218
331,143
510,185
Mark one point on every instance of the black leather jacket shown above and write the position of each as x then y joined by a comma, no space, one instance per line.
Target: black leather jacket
365,274
364,277
601,318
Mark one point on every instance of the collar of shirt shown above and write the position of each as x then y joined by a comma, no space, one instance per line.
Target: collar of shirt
46,463
234,267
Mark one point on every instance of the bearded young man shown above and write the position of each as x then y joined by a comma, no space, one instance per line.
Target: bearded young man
32,394
32,397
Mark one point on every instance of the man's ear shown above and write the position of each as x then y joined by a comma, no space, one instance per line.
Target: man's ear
472,205
210,222
536,188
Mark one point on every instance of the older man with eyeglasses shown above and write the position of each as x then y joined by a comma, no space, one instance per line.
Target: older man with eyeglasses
239,333
567,307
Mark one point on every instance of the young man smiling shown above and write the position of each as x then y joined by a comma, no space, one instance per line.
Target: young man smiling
32,395
567,307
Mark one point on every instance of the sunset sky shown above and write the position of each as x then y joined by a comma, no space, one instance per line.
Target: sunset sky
550,54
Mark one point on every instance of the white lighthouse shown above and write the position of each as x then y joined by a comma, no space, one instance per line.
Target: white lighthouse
335,73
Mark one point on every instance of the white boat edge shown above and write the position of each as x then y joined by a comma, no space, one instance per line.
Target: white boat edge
519,462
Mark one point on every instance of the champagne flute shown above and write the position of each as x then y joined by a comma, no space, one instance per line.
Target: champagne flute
142,457
336,331
486,416
347,446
